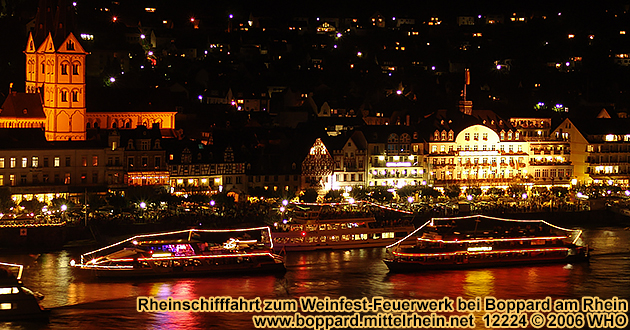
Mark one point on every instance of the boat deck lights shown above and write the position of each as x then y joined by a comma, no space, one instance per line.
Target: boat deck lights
492,239
93,263
431,223
19,267
406,254
189,231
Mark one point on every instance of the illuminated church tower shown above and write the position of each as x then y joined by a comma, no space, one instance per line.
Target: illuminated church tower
55,68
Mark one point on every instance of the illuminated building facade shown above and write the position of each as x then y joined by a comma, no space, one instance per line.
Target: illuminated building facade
608,150
34,168
317,168
350,162
55,69
395,157
145,158
205,169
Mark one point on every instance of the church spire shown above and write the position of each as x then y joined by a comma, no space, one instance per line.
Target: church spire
55,17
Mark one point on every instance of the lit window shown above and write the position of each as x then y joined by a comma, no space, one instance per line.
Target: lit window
24,162
56,162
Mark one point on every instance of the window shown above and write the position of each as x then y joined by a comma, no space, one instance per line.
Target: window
83,178
24,162
12,162
64,96
12,179
35,161
130,161
23,179
145,161
485,136
70,45
95,177
144,145
94,161
64,69
83,161
68,162
467,136
75,69
2,162
66,179
476,136
75,96
56,162
1,180
158,161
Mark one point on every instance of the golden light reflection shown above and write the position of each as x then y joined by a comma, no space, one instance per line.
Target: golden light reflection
479,283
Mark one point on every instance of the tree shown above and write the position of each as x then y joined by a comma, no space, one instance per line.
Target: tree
309,196
407,191
496,192
358,194
559,191
32,206
59,201
380,194
452,191
473,191
6,202
199,198
540,191
516,190
333,196
430,192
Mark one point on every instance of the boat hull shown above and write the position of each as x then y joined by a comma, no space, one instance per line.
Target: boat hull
356,238
402,266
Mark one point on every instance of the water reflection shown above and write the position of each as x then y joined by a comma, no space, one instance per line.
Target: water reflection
80,301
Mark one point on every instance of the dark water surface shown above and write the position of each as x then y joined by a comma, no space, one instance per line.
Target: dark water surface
81,302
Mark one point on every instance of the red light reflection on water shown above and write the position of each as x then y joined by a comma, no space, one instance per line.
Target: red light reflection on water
502,282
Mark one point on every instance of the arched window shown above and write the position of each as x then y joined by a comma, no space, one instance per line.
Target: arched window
114,125
87,125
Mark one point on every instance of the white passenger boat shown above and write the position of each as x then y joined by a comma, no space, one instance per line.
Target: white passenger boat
16,301
322,226
186,253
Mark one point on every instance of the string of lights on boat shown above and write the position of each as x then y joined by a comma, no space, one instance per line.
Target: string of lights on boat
431,223
190,231
353,203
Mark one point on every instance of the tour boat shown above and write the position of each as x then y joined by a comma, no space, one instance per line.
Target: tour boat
321,227
16,301
186,253
484,241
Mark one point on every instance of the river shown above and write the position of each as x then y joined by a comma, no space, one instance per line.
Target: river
79,301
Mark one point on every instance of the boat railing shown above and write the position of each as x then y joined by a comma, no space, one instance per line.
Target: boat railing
185,236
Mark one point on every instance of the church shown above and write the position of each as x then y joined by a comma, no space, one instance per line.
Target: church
55,91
